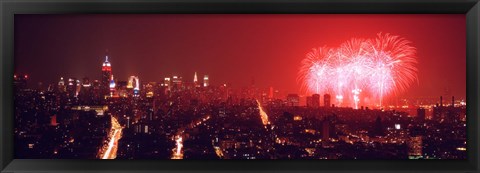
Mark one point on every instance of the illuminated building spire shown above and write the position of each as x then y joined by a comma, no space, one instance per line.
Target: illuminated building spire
106,66
106,76
106,55
195,80
205,81
112,86
112,83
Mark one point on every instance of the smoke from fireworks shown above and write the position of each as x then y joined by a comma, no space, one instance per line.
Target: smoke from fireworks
368,69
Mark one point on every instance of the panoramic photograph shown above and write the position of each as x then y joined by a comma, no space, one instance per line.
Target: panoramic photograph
240,86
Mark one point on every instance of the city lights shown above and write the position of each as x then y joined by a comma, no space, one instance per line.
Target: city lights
177,119
252,89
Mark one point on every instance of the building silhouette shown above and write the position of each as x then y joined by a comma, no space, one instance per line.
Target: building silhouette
325,130
378,129
421,114
293,100
20,81
326,100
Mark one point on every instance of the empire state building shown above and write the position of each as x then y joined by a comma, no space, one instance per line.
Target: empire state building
106,76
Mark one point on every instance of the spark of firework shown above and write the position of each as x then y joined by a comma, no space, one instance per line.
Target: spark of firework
380,67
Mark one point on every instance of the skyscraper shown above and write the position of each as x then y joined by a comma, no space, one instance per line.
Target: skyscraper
112,86
309,101
72,86
421,114
85,94
106,76
313,101
441,101
20,81
316,100
136,90
453,101
134,83
61,85
270,94
293,100
378,128
415,146
326,100
177,82
166,83
86,83
439,111
195,80
325,130
205,81
78,87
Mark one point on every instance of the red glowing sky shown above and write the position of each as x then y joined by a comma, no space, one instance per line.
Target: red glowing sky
234,49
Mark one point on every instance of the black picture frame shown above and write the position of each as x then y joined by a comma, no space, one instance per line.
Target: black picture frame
9,8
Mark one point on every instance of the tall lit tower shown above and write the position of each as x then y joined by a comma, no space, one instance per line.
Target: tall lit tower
112,86
134,82
166,83
205,81
270,94
195,80
177,82
136,90
106,75
61,85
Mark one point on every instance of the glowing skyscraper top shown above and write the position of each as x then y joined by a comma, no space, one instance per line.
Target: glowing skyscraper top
106,66
205,81
106,75
112,83
195,80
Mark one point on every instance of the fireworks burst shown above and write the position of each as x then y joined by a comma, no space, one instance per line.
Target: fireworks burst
371,68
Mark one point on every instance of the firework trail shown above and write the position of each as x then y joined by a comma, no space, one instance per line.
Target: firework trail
371,68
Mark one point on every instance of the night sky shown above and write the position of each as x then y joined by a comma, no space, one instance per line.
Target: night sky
233,49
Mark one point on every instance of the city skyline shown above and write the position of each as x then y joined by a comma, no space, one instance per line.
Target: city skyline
148,59
370,93
111,85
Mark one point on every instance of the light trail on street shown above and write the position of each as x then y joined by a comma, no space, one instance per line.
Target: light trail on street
263,114
178,150
110,150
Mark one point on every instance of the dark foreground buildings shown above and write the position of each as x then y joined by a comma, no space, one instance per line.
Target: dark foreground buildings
129,119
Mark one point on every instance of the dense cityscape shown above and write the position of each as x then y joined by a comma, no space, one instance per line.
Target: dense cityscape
189,118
